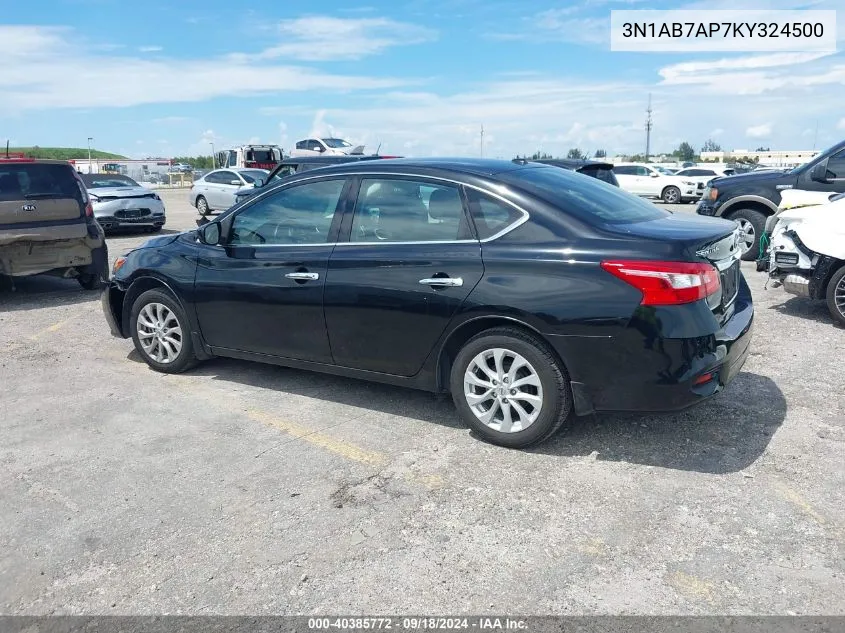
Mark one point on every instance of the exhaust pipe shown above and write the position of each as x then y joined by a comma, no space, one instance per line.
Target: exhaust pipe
797,285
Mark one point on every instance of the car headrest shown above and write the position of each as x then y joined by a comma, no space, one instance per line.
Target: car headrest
445,204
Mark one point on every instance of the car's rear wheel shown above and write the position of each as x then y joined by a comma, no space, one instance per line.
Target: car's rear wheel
752,224
835,296
96,276
671,195
161,332
202,206
510,388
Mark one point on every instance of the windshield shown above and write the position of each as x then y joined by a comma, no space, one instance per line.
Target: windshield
97,181
662,170
251,175
588,199
336,142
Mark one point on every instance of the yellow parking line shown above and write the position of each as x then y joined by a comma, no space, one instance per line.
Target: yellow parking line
334,445
50,330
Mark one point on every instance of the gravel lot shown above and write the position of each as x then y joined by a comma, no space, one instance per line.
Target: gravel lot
247,489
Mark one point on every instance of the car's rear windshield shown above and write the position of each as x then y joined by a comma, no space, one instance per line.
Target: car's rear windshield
588,199
602,173
37,180
99,181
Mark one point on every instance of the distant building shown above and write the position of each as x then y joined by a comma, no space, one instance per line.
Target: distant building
782,158
136,169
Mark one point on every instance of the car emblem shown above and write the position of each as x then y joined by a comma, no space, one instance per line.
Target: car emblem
28,207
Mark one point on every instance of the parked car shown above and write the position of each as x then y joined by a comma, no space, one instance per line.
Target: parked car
120,202
807,253
525,290
327,146
646,181
216,191
47,223
290,166
750,198
702,175
595,168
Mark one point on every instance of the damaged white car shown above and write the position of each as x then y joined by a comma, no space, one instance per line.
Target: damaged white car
807,253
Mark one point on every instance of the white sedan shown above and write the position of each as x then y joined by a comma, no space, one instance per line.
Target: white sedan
216,190
704,175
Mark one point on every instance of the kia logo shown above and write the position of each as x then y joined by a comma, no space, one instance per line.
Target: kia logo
28,207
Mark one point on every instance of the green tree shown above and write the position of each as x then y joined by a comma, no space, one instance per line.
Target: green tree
575,153
762,149
685,152
540,155
711,146
600,153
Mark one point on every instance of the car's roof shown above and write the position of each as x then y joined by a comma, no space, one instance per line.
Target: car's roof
468,166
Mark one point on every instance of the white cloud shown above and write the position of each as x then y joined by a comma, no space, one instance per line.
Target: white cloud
43,69
150,49
841,124
717,132
759,131
324,38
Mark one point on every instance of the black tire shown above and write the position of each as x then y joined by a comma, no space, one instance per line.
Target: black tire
757,222
96,276
185,359
671,195
836,291
557,396
202,206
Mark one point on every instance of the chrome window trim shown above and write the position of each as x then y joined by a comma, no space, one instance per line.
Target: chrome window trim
510,227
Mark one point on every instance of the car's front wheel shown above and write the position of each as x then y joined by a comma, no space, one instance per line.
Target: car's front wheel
161,332
752,224
671,195
836,296
510,388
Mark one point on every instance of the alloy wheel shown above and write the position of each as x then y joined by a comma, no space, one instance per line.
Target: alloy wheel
503,390
746,235
839,296
159,333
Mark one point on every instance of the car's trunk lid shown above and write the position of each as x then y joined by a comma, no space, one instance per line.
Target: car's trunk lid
687,237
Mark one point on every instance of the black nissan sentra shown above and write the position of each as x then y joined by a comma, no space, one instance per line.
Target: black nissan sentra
527,291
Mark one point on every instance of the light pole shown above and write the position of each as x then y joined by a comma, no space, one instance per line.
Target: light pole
90,138
213,157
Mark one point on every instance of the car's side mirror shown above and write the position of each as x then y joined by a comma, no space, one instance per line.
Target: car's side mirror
235,182
819,172
655,175
321,149
209,233
259,182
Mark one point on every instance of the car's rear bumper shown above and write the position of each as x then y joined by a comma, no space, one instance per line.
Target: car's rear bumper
640,370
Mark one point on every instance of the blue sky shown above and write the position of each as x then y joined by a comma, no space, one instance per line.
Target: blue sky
419,77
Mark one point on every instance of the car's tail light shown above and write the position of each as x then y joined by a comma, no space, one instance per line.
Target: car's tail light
667,283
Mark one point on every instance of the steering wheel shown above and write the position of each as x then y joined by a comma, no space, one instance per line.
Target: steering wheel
242,233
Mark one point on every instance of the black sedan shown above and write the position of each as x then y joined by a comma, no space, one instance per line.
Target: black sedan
527,291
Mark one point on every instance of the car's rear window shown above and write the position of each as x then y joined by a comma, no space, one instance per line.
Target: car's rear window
588,199
602,173
37,180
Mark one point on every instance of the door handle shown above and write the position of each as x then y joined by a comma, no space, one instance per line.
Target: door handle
444,282
303,276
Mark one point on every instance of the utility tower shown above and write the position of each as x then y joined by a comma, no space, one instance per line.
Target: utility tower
648,126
